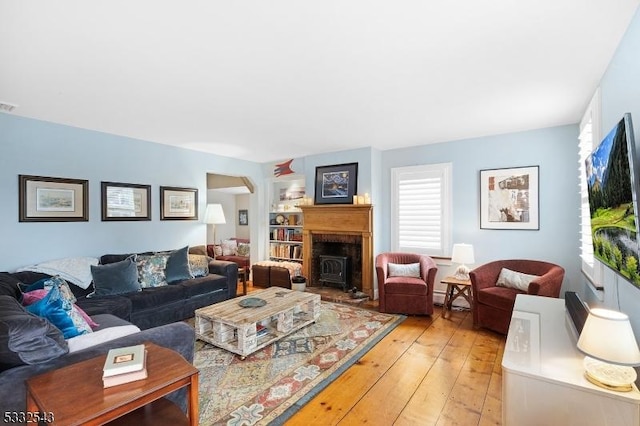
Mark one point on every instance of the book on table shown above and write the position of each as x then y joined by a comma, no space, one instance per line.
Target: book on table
124,365
124,360
121,379
134,359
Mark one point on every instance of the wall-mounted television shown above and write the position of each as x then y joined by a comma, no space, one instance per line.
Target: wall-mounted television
612,183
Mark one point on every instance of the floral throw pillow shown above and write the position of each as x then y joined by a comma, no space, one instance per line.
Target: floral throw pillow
151,270
199,265
68,303
244,249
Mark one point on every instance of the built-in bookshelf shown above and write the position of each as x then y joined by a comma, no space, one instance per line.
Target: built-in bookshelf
285,235
286,219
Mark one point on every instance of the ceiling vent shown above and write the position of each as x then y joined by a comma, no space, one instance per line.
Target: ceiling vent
7,107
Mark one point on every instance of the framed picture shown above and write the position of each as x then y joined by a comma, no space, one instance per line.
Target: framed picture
125,201
51,199
523,339
178,203
336,184
509,198
243,217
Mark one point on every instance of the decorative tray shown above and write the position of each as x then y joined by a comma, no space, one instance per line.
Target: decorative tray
252,302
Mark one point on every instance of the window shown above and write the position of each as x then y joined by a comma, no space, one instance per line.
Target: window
421,209
588,138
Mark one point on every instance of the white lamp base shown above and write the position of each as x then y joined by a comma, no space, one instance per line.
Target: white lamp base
609,376
462,273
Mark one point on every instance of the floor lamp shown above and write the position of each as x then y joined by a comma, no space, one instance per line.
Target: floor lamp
214,216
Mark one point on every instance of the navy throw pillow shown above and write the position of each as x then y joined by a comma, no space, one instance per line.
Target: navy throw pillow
115,278
178,266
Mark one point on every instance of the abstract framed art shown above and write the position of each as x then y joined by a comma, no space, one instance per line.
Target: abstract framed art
52,199
509,198
336,184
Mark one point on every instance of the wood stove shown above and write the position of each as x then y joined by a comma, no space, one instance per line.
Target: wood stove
335,270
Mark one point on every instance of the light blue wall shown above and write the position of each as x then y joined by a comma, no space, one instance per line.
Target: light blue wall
40,148
620,93
35,147
554,150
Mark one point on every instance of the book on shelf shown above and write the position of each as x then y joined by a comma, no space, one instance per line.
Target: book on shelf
124,360
261,330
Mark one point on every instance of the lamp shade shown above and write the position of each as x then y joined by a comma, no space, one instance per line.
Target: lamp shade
607,336
462,253
214,214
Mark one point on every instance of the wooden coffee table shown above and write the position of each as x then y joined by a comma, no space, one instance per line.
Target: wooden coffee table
235,328
74,395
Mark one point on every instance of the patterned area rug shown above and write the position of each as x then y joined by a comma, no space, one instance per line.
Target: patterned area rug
270,385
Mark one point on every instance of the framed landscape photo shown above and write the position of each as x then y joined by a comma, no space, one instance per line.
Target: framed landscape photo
243,217
509,198
178,203
51,199
336,184
125,201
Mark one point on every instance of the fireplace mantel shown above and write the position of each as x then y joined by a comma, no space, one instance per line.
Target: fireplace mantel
341,219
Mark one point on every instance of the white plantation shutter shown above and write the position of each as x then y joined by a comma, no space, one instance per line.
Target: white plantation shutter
588,138
421,209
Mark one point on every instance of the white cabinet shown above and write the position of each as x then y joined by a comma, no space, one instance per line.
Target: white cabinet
543,379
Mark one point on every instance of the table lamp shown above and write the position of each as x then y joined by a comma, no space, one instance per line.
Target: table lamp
214,216
611,348
462,254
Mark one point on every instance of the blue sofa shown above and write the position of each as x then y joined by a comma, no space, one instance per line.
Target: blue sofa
158,313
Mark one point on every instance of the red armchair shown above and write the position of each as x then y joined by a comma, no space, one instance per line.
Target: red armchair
406,295
493,305
242,261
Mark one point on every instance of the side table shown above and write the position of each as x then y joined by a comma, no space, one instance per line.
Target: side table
455,289
74,394
242,274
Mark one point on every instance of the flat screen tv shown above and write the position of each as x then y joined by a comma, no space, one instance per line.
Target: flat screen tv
612,183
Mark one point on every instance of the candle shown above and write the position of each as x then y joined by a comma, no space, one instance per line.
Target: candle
367,199
355,199
360,199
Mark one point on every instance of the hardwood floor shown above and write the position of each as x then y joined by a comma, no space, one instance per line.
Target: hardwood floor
427,371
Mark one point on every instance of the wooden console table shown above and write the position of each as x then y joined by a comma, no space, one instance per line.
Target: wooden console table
543,379
74,395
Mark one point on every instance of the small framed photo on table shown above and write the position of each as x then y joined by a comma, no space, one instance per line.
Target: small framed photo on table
523,339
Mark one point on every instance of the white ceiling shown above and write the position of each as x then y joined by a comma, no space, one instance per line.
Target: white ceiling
270,80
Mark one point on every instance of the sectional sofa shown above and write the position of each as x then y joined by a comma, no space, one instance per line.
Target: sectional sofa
32,345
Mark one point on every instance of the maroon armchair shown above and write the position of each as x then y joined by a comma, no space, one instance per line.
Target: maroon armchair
493,305
406,295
